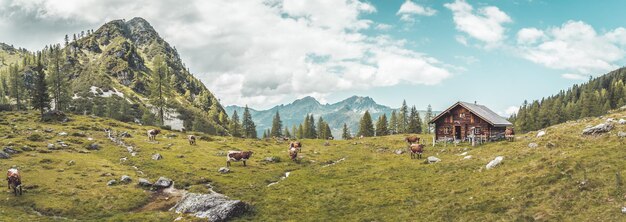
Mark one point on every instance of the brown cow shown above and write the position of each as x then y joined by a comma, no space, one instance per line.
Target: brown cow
417,150
152,133
238,156
14,181
192,139
509,134
297,145
412,139
293,153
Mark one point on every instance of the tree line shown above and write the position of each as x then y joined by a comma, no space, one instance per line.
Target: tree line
593,98
401,122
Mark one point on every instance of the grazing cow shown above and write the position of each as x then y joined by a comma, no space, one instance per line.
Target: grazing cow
192,139
509,134
417,150
412,139
15,181
296,145
293,153
238,156
153,133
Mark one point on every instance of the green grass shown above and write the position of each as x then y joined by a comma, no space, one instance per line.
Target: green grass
371,184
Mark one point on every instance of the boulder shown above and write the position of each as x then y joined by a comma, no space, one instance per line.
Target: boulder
541,133
62,134
598,129
432,159
223,170
71,163
125,135
10,150
4,155
621,134
163,182
610,120
624,210
157,156
111,182
51,146
495,162
467,157
271,159
399,152
93,146
463,154
550,145
213,207
144,182
27,148
125,179
533,145
621,121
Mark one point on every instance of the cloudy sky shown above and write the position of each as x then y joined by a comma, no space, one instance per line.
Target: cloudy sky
266,52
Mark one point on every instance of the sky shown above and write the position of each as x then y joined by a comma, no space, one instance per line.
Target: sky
269,52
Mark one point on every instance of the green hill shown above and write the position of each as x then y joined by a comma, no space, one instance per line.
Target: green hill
567,177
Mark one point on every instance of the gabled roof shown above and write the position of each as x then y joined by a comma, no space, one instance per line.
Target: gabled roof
481,111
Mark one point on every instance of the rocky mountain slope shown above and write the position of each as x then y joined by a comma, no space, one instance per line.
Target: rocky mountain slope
347,111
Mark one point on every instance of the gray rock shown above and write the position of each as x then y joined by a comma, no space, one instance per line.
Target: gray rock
495,162
126,179
213,207
4,155
125,135
111,182
62,134
271,159
541,133
621,134
144,182
27,148
10,150
621,121
533,145
223,170
550,145
432,159
163,182
71,163
157,156
51,146
467,157
624,210
93,146
399,152
598,129
48,130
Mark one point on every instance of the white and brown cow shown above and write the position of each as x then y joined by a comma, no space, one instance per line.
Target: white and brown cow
293,153
15,181
238,156
152,133
297,145
192,139
417,150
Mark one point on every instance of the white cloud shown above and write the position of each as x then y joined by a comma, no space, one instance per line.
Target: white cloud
249,52
529,35
383,27
467,59
574,76
577,48
408,10
484,24
461,39
511,110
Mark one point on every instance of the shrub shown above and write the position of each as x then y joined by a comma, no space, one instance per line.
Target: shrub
35,137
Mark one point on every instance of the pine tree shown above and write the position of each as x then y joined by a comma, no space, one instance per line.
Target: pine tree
16,85
427,118
286,133
248,125
300,134
306,132
393,123
312,132
41,99
160,87
366,128
381,126
294,131
321,129
327,132
264,134
403,118
414,125
58,80
277,126
346,132
234,127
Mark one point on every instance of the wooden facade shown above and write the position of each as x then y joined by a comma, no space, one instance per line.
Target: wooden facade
463,120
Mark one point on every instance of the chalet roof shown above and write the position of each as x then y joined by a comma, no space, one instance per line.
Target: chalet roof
481,111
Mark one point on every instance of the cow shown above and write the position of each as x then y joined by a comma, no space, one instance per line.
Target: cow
417,150
192,139
293,153
412,139
152,133
238,156
509,134
297,145
14,181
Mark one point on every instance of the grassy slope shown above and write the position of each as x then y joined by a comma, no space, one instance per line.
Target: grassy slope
372,184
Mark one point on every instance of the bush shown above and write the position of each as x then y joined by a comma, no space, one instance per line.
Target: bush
35,137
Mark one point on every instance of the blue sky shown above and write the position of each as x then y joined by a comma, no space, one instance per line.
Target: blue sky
268,52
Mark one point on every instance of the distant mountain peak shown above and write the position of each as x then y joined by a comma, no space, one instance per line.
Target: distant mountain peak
306,100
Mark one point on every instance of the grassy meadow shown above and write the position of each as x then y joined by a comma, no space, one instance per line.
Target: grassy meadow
567,177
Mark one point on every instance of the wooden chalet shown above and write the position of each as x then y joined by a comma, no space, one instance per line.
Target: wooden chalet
463,121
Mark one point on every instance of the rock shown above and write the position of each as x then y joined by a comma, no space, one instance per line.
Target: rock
463,154
163,182
467,157
4,155
621,134
89,138
10,150
55,115
93,146
111,182
125,135
624,210
213,207
399,152
533,145
550,145
44,151
432,159
27,149
495,162
144,182
326,143
271,159
48,130
541,133
621,121
610,120
223,170
157,156
51,146
598,129
125,179
63,144
180,156
71,163
83,151
62,134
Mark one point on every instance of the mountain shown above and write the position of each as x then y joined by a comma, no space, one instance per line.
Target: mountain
348,111
114,67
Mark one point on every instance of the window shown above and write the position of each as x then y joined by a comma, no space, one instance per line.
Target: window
462,115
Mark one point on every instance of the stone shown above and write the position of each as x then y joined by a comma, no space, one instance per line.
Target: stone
10,150
4,155
163,182
62,134
432,159
624,210
144,182
93,146
399,152
48,130
71,163
533,145
621,134
111,182
463,154
213,207
495,162
621,121
27,149
541,133
125,135
550,145
271,159
598,129
51,146
55,115
610,120
157,156
126,179
467,157
223,170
